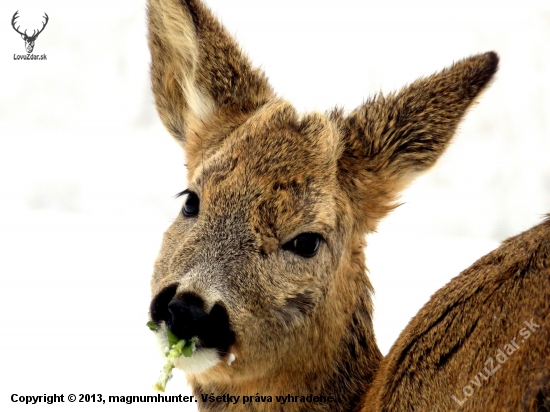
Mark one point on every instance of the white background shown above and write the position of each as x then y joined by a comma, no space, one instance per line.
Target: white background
87,172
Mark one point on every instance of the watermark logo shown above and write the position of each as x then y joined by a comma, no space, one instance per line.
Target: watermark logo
29,39
491,366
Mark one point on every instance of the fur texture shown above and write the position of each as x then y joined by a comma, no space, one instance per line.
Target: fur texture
264,175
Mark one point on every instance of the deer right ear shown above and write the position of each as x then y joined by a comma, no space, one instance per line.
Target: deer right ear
203,84
389,140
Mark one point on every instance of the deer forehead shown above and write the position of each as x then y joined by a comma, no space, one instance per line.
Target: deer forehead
274,136
277,171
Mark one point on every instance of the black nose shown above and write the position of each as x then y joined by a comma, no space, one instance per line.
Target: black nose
186,317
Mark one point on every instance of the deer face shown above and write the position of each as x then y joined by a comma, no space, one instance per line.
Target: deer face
29,42
247,266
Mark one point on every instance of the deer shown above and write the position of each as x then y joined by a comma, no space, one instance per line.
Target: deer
29,40
265,265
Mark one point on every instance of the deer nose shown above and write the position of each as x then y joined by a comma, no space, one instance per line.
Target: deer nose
186,317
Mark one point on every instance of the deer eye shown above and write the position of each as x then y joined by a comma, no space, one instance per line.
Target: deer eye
190,204
305,244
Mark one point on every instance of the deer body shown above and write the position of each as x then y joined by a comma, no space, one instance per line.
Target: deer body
482,342
265,264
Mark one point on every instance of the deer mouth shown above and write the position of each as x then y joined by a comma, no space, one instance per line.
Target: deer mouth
185,316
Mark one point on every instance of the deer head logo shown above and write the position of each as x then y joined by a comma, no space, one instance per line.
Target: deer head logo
29,40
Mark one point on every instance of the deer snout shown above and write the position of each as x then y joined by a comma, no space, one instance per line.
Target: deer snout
185,315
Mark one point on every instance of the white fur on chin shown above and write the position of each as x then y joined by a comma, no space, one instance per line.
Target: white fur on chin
201,360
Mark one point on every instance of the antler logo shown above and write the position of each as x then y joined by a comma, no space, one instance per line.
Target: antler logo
29,40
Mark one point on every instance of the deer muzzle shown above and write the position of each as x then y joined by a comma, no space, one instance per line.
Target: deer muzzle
185,316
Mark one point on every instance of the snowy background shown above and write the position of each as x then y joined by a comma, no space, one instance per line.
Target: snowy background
87,172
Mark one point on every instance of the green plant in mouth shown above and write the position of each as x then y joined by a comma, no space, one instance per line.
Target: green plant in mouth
177,347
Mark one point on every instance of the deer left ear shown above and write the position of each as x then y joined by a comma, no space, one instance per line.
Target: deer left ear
390,139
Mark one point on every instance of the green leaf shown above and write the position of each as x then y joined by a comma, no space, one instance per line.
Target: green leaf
187,350
172,339
153,326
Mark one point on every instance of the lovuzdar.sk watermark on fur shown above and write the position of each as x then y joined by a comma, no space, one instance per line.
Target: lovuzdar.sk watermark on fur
29,39
501,357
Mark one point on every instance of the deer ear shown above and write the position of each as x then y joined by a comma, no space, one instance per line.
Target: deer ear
390,139
204,86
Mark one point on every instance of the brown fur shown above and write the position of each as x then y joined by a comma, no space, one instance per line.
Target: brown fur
265,174
457,335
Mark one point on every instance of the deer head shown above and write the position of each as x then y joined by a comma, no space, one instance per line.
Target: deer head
265,263
29,40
